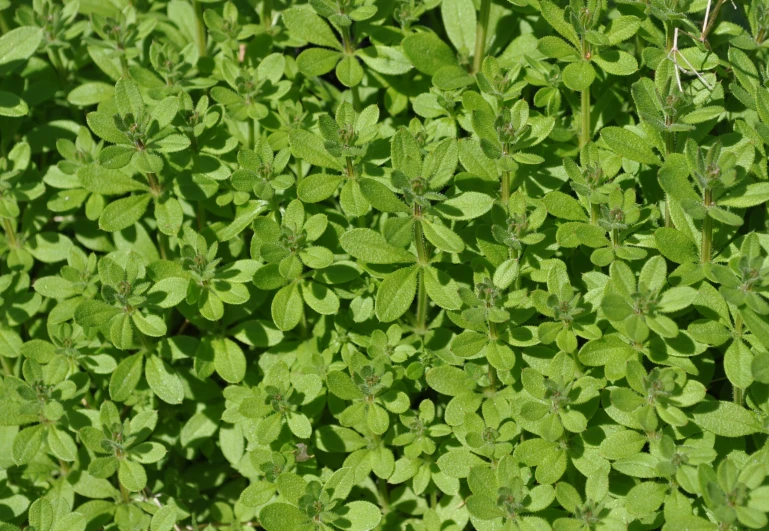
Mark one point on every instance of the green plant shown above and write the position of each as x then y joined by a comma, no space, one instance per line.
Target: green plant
354,265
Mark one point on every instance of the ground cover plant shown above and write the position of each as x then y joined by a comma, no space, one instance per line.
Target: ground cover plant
346,265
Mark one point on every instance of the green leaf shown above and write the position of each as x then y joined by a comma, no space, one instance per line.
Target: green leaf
645,497
315,62
309,147
370,246
349,72
380,197
675,246
132,475
441,288
616,62
443,238
469,205
287,307
26,444
385,60
459,21
578,76
630,145
90,93
428,53
123,213
564,206
362,515
726,419
19,43
95,313
282,517
61,444
163,381
164,519
449,380
320,298
125,378
306,25
70,522
229,360
168,292
12,105
396,293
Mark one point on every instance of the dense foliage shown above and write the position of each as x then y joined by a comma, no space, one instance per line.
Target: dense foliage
384,264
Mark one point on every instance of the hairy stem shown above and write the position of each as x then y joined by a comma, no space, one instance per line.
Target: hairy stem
738,395
201,28
516,254
53,55
711,21
3,24
384,495
350,168
707,230
124,66
595,210
419,242
480,35
10,233
267,13
7,369
505,192
584,136
670,147
124,494
152,179
163,245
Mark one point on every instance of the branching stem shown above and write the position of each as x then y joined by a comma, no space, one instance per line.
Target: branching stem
480,35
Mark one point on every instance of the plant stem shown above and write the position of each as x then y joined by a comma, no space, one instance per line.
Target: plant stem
738,395
421,304
595,209
152,179
10,233
670,147
53,55
3,24
124,494
480,35
707,230
7,370
162,244
584,136
124,66
355,96
350,168
585,130
252,134
433,499
711,20
384,495
419,242
492,376
200,27
267,13
201,216
505,192
516,254
299,171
